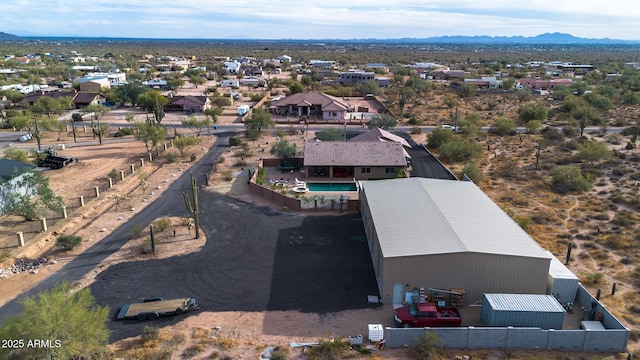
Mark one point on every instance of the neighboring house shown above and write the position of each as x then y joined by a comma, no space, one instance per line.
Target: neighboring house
232,67
95,85
355,77
252,70
32,98
541,84
85,99
354,159
10,173
229,83
322,63
284,58
376,66
312,103
188,103
486,82
383,81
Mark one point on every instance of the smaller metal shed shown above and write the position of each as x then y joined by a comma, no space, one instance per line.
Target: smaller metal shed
522,310
561,283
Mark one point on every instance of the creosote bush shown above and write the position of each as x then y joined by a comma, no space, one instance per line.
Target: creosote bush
68,241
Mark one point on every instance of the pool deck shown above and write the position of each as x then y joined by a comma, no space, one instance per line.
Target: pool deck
289,177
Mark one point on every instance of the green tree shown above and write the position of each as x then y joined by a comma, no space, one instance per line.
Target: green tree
503,126
569,178
37,126
46,105
259,119
283,149
128,93
13,96
459,151
16,155
196,124
467,90
153,101
473,171
593,151
450,100
368,87
439,136
330,135
70,319
150,134
184,143
532,111
382,121
586,116
295,88
196,80
213,112
30,196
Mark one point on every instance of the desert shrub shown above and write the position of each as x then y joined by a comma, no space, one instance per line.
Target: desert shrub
416,130
4,255
503,126
123,132
220,159
193,351
473,171
457,151
227,176
162,224
76,117
280,353
16,155
113,173
569,178
252,134
616,242
136,231
68,241
234,141
240,163
439,137
225,343
149,333
193,157
330,349
622,218
592,278
171,158
424,347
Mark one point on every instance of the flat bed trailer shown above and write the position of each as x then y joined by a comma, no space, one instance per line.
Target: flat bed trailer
154,308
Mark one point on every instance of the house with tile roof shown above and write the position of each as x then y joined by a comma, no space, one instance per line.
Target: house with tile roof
316,104
361,160
83,99
188,103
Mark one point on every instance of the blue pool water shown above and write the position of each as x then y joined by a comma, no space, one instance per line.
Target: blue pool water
331,186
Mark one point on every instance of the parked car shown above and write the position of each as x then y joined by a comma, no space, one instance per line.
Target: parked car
25,137
450,127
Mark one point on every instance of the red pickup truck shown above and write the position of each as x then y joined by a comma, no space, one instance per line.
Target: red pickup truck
426,315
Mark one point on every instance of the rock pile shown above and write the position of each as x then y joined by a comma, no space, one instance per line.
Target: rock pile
22,265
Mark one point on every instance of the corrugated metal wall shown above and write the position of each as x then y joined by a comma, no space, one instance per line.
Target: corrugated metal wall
522,310
476,273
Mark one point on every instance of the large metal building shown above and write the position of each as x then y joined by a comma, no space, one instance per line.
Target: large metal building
444,234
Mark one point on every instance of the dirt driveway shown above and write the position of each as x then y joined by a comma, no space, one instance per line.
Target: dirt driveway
255,259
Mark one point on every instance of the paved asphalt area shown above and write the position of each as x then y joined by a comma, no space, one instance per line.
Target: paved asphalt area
255,259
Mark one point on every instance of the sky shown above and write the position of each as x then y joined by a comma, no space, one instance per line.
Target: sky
326,19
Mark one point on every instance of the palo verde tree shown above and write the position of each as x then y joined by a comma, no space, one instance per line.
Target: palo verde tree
184,143
196,124
153,102
382,121
75,326
193,206
28,195
36,125
213,112
150,134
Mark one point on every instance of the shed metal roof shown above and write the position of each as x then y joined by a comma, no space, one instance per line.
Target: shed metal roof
524,302
420,216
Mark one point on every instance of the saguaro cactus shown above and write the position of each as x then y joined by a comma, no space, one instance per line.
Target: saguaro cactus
193,207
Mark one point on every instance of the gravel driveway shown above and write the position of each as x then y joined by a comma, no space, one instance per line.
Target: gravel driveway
255,259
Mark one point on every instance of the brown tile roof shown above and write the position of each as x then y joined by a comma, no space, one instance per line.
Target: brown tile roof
377,134
85,98
187,100
312,98
338,153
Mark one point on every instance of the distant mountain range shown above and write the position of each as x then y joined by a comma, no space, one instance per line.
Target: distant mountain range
543,39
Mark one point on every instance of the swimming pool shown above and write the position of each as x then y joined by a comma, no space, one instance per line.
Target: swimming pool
331,186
